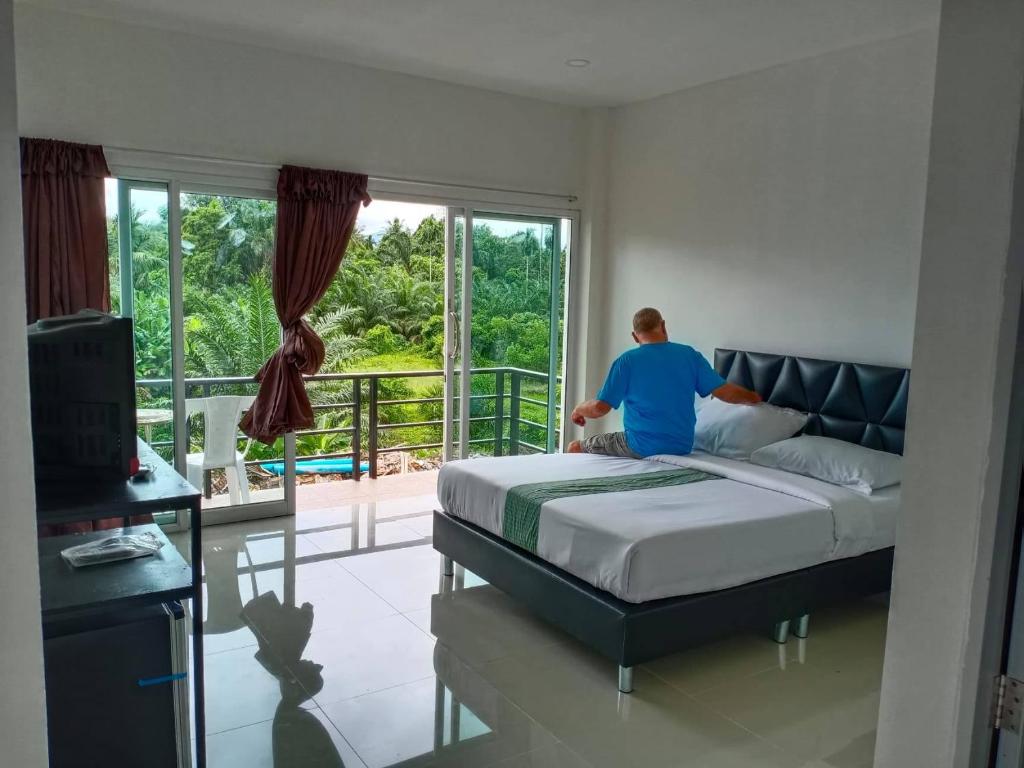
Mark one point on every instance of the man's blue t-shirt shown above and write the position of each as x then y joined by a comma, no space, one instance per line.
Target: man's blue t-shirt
657,383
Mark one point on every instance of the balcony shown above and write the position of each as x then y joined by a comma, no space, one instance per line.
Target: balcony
391,422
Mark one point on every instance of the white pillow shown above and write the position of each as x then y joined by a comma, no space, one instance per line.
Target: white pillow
736,431
834,461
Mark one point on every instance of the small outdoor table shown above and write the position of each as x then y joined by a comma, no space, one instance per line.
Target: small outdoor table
147,418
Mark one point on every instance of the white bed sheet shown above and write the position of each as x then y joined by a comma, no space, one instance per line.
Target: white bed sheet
644,545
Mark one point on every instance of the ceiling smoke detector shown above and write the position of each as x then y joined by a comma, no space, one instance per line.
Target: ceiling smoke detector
578,63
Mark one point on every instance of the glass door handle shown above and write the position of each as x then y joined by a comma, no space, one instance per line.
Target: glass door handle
458,334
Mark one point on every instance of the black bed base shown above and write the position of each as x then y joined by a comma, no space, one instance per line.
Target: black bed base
633,633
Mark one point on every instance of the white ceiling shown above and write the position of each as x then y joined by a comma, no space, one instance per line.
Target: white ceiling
638,48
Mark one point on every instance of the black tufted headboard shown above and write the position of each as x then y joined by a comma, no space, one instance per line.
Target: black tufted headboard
859,403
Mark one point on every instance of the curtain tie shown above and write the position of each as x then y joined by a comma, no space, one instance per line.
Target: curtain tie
302,347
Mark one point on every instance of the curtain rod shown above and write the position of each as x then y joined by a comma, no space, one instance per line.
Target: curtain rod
391,179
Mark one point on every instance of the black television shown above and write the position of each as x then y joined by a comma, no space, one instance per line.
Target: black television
82,384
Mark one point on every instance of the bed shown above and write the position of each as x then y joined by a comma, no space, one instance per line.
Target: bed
638,574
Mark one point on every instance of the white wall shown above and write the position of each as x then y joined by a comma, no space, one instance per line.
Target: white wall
89,79
778,211
955,525
22,712
587,282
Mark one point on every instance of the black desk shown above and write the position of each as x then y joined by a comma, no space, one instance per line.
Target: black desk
72,501
77,500
158,578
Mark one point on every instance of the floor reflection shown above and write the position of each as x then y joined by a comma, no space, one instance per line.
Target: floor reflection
282,632
332,640
810,702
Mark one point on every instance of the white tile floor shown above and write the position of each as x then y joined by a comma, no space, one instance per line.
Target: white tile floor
353,655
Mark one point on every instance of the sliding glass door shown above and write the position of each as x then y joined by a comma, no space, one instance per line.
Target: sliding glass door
190,262
192,270
229,328
506,299
138,245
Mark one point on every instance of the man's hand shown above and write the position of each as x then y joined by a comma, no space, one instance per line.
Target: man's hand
734,393
592,409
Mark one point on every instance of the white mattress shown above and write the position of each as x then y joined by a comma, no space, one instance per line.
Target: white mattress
643,545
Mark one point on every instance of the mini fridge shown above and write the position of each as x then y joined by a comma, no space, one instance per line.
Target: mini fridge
117,689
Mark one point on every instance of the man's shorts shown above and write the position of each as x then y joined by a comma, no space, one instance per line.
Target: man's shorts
609,444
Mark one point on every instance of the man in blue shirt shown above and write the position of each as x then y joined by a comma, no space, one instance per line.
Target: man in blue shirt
657,382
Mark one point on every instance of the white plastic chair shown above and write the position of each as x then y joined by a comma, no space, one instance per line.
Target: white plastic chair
221,415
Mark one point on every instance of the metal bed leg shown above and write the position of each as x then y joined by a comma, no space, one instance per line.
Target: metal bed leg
447,566
439,697
781,632
802,626
625,679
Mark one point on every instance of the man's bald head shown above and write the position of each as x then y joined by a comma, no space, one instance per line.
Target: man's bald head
649,326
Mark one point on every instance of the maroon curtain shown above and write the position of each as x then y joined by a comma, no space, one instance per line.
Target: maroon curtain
65,227
316,214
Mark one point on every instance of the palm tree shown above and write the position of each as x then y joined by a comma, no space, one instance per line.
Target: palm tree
249,225
412,303
395,246
340,347
233,335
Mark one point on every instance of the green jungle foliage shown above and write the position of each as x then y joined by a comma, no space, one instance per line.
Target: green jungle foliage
384,311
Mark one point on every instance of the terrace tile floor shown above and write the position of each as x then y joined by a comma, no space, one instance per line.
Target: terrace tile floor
326,493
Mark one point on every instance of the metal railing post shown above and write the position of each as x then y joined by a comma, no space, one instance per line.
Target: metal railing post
207,474
372,437
357,422
552,413
499,411
513,415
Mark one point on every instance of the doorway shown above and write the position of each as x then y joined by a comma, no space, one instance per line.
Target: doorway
506,299
191,268
190,263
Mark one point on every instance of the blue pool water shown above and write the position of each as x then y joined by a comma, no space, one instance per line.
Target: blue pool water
315,466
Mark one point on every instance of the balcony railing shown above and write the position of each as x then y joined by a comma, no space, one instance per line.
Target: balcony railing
516,396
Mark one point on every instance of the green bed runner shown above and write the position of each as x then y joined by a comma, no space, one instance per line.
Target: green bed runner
521,522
